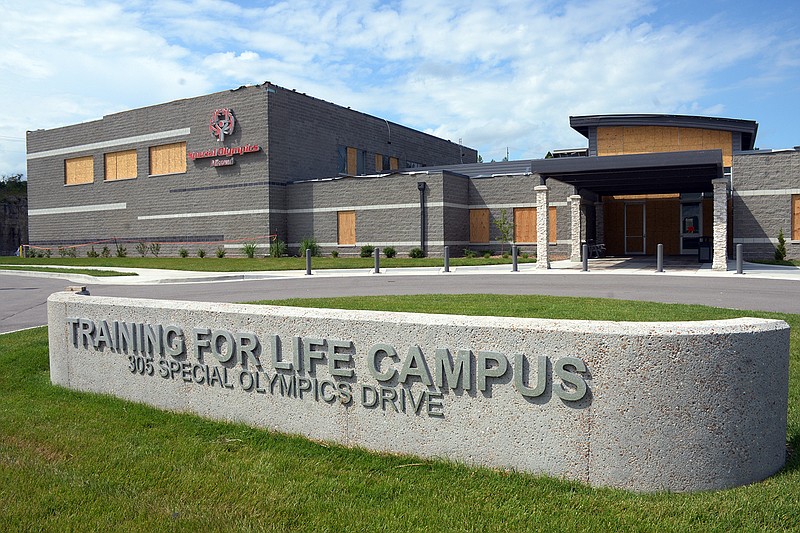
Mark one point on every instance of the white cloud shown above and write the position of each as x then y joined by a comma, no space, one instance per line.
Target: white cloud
502,74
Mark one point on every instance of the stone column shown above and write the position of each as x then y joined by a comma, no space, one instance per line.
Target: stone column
720,240
542,226
599,223
575,227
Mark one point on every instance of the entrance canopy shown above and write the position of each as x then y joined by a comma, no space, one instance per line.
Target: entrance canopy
651,173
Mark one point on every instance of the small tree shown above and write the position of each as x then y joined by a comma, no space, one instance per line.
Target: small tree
780,250
506,228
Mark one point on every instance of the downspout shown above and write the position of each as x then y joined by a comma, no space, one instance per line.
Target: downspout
421,185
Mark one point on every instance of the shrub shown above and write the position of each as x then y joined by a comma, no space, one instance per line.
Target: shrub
92,253
309,243
220,252
66,252
780,250
277,248
416,253
470,253
122,251
155,249
183,252
389,252
106,252
505,226
524,255
487,255
249,249
141,248
335,254
366,250
505,255
201,253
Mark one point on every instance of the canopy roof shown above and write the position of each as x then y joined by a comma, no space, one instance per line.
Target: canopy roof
652,173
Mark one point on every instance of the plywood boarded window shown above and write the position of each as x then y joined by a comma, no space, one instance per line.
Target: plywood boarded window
525,224
796,217
79,170
378,162
168,159
394,163
478,225
551,236
347,227
352,161
120,165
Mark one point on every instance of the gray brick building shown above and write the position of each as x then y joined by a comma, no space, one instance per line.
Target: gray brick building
243,165
157,174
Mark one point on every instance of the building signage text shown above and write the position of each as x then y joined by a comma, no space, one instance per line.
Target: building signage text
288,366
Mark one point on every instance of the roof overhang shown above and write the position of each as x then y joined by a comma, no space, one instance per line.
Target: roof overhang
652,173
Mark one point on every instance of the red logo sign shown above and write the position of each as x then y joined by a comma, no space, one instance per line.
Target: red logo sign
222,123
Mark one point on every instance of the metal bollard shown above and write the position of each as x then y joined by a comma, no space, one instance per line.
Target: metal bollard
447,259
585,254
739,259
514,265
660,258
377,260
308,262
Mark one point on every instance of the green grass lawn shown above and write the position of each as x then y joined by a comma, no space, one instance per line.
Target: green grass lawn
242,264
86,271
77,461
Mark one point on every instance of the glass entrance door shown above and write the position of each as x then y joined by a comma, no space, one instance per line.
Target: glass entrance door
634,228
691,226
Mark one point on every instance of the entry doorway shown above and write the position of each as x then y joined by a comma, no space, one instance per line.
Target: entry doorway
691,226
635,228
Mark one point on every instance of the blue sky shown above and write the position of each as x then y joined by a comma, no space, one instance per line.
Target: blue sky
505,75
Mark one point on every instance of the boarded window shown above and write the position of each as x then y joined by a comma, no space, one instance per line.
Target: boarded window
347,227
352,161
120,165
79,170
478,225
525,225
796,217
168,159
385,162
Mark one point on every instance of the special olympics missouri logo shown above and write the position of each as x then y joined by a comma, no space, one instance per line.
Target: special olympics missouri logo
222,123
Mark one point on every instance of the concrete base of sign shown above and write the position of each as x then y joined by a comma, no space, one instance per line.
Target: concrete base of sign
680,406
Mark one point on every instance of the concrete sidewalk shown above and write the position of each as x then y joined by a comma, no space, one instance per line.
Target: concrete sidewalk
645,266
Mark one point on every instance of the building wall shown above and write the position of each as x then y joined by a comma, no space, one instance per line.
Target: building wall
306,132
387,210
193,206
764,184
299,138
508,192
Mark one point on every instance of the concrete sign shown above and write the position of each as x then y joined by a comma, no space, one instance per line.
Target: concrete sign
645,406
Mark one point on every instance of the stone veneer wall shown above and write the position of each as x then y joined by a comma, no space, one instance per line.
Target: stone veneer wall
763,186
